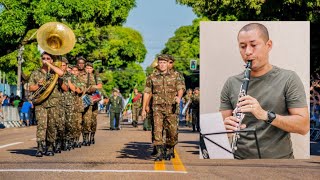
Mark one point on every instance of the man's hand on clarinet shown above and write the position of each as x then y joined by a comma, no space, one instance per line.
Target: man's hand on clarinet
250,104
231,123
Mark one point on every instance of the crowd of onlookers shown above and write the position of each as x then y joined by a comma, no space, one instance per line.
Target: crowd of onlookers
24,107
315,107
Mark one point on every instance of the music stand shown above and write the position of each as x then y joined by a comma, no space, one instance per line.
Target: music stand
216,145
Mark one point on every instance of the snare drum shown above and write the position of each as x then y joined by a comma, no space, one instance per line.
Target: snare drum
86,100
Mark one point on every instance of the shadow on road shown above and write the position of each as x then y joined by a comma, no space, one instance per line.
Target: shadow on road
30,152
187,131
136,150
191,144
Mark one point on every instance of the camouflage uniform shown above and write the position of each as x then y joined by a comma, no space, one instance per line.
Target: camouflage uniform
96,80
87,80
60,121
115,110
77,111
136,107
186,99
46,113
70,122
164,88
195,102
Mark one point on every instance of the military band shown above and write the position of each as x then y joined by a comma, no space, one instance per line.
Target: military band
66,100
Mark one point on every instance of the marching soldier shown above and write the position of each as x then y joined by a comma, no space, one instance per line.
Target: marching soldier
90,87
167,89
187,102
78,105
136,107
61,121
116,108
98,83
46,111
195,103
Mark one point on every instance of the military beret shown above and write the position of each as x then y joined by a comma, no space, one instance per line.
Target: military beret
165,57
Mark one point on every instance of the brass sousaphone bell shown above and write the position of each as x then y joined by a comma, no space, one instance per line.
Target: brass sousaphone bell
57,39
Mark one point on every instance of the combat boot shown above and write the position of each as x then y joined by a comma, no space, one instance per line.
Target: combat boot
154,151
92,138
77,143
193,128
135,124
50,149
88,139
169,153
58,147
39,149
65,145
159,155
84,139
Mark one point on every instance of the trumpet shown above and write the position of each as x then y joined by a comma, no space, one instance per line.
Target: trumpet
236,113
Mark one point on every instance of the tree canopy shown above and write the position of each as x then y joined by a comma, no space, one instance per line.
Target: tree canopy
185,46
271,10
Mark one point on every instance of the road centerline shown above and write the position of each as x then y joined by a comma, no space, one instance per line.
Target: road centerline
11,144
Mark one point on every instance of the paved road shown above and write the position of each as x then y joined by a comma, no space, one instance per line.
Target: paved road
125,154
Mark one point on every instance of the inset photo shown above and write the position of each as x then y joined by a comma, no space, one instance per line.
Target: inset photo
255,90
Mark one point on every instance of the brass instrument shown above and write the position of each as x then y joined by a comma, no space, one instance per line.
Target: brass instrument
154,63
57,39
236,113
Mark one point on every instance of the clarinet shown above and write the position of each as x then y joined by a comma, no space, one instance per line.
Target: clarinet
236,113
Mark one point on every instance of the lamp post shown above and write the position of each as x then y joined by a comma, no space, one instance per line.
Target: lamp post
20,61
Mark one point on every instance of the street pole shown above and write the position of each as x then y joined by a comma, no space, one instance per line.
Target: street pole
20,61
4,83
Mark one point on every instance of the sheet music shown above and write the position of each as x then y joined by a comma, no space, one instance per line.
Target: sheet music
212,123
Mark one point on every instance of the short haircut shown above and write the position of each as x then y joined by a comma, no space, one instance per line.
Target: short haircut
260,27
44,52
81,58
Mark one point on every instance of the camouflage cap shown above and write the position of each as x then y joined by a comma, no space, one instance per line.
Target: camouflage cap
81,58
115,90
65,60
89,64
165,57
197,88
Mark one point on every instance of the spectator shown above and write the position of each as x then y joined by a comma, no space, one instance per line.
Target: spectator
6,101
16,101
25,111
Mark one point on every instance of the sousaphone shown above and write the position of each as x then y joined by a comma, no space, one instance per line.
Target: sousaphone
57,39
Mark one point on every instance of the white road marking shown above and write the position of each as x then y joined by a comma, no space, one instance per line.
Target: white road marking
6,145
90,171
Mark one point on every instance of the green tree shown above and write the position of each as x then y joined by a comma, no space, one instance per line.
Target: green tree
283,10
127,78
185,46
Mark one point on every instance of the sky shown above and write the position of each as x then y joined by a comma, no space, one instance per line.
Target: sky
157,20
